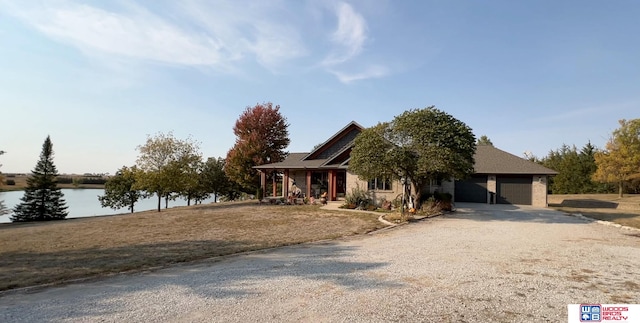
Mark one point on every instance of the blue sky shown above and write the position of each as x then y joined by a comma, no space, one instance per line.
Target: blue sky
99,76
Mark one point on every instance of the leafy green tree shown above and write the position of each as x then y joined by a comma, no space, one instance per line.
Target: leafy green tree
3,209
191,186
261,137
484,140
166,163
419,145
619,163
43,200
120,190
214,179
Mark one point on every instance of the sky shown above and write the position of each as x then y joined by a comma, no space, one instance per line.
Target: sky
101,76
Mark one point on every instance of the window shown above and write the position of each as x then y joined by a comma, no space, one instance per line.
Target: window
380,184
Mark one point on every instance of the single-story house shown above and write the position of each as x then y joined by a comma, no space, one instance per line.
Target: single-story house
499,177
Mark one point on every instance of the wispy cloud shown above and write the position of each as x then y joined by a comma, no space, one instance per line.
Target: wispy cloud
349,39
349,36
375,71
137,33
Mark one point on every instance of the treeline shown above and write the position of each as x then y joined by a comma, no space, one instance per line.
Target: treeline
575,171
168,168
593,170
81,180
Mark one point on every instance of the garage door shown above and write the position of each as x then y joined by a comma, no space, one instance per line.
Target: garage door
514,190
473,189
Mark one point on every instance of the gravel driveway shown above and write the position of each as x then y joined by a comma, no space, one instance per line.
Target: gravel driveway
482,263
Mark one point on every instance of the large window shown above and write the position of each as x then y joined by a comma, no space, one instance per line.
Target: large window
380,184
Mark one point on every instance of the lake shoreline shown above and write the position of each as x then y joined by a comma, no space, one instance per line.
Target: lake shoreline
84,203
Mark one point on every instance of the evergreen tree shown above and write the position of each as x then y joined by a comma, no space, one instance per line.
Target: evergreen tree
42,200
484,140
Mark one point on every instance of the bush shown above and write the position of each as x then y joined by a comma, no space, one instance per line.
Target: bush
430,207
358,198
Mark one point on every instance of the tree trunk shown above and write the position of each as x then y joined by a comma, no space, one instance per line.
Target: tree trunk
159,200
620,187
166,201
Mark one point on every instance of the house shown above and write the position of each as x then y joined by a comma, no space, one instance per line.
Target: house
499,177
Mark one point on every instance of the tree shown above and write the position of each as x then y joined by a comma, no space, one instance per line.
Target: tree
3,208
261,137
619,163
120,190
418,145
214,179
192,188
484,140
42,200
166,163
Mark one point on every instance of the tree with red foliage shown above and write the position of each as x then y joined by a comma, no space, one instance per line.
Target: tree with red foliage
261,137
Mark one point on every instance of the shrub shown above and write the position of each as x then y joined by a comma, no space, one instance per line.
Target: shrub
358,198
430,207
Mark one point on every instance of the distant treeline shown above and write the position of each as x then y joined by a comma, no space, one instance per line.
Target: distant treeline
81,180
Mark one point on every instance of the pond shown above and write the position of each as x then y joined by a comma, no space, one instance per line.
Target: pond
84,203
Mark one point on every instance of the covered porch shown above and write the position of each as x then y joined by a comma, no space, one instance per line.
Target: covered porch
310,182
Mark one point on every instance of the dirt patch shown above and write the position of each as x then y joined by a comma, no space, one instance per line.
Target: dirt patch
41,253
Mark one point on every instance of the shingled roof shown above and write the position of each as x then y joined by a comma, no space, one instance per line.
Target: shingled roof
334,153
491,160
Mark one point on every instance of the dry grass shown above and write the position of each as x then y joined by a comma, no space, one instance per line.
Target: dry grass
52,252
607,207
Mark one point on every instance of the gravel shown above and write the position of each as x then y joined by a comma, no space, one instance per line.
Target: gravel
481,263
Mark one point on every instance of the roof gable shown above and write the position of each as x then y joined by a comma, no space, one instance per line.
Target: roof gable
491,160
340,141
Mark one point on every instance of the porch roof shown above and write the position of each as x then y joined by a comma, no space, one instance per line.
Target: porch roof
297,161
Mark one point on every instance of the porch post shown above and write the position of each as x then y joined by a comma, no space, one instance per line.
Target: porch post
274,185
263,183
332,185
308,184
285,183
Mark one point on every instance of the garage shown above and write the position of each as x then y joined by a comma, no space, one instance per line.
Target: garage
514,190
472,190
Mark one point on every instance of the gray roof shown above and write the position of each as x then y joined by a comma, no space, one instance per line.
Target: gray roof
488,160
491,160
294,161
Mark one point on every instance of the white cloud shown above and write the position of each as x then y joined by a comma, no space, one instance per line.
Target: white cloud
349,40
375,71
350,35
215,38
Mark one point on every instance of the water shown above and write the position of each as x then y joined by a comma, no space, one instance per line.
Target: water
84,203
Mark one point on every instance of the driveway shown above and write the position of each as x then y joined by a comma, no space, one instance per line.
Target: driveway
482,263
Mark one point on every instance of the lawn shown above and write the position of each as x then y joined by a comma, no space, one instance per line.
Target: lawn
607,207
54,252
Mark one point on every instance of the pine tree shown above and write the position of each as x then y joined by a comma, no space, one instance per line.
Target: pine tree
42,200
